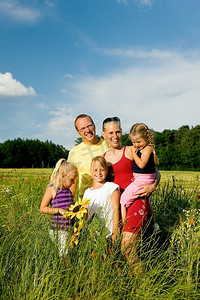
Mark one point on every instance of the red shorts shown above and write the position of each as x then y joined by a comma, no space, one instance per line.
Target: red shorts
137,216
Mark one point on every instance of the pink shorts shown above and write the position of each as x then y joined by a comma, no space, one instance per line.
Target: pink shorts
137,216
128,196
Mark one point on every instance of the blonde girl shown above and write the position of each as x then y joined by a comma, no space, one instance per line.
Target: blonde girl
144,171
104,197
57,199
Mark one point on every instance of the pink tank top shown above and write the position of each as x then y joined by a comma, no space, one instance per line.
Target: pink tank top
123,171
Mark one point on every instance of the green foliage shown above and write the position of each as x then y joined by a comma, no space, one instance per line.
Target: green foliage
176,149
179,149
125,140
30,153
30,267
78,140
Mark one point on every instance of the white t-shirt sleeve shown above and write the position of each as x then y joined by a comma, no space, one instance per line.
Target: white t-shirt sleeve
111,187
85,195
92,205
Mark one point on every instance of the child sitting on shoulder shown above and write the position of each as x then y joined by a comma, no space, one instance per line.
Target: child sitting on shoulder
144,170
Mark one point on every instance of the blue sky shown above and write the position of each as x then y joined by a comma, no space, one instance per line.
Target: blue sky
136,59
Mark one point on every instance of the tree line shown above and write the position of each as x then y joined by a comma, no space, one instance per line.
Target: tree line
19,153
179,149
176,150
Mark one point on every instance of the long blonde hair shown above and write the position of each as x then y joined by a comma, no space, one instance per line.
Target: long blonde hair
145,133
63,167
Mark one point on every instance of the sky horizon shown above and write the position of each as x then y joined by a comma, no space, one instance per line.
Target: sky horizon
135,59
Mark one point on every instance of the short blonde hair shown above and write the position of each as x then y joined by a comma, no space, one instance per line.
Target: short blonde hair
63,167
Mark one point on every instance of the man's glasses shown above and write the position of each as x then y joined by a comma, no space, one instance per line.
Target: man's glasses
111,119
86,127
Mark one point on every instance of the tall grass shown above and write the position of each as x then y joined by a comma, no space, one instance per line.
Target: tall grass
32,269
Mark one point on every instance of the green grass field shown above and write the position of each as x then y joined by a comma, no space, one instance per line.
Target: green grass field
30,267
187,179
183,177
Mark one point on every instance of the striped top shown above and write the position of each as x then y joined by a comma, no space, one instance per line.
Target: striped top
63,199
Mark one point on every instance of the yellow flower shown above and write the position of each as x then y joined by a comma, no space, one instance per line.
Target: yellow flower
77,210
80,225
74,239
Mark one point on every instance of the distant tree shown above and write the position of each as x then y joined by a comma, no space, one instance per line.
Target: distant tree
30,153
176,150
126,140
78,140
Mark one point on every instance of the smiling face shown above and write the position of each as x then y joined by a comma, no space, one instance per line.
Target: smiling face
86,129
112,134
98,172
138,142
69,179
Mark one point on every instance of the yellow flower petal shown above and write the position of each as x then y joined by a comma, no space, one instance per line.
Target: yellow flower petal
80,225
85,201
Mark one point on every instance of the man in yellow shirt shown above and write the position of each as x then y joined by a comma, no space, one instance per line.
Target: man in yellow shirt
82,154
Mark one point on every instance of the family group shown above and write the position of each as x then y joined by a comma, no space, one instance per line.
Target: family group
117,180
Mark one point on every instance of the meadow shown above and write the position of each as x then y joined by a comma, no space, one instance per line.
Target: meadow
30,267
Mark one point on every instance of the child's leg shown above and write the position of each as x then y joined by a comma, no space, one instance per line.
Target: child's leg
123,211
59,237
128,196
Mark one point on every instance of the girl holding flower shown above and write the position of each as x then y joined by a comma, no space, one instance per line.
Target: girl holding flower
56,202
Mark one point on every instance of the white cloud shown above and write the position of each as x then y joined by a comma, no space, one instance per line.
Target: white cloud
145,2
64,91
19,12
123,1
70,76
35,124
164,93
60,128
139,2
42,105
140,53
50,3
11,87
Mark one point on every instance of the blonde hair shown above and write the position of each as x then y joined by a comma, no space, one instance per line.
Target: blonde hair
145,133
63,167
102,162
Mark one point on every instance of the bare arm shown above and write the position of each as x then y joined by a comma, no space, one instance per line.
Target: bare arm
143,160
45,208
116,213
123,211
73,187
